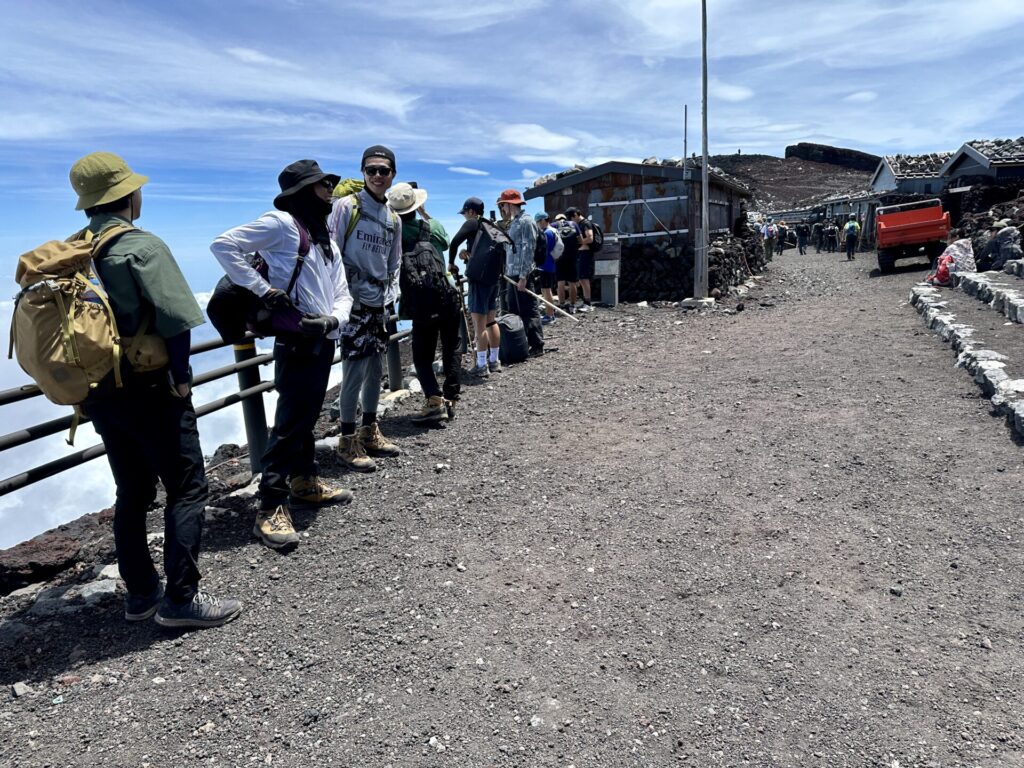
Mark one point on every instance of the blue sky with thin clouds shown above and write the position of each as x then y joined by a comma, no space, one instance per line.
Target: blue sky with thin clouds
211,99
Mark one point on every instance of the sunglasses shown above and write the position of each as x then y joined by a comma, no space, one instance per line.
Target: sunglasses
377,170
326,183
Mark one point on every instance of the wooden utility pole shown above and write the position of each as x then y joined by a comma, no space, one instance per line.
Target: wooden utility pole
700,271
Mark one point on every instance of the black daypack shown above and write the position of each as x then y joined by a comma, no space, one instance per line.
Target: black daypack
540,252
569,234
514,347
598,238
233,310
423,280
487,254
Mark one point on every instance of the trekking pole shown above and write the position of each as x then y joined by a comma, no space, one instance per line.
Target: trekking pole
541,299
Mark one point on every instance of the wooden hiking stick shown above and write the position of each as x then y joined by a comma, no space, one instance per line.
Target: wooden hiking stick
541,299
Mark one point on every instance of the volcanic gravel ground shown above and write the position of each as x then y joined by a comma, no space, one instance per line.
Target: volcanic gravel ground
788,536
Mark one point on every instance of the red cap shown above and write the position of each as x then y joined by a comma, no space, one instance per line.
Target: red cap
511,196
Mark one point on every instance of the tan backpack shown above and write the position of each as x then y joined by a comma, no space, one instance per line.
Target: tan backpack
64,330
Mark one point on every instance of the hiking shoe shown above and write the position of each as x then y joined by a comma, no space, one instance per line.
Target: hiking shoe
203,610
434,410
375,443
310,492
142,607
449,407
353,454
274,527
547,319
536,352
494,367
480,370
585,308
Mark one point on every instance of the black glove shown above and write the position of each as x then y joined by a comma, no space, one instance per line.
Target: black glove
275,298
318,325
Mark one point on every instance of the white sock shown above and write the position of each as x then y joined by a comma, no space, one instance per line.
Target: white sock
481,358
494,355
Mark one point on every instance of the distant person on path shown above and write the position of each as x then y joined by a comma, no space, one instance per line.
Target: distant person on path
818,235
803,233
484,259
585,256
442,315
768,234
368,235
566,268
148,425
548,279
302,358
831,236
520,267
851,233
782,239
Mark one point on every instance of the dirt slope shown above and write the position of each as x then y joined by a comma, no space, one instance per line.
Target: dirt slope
781,184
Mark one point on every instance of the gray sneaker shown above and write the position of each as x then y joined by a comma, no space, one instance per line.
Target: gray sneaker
480,370
494,367
203,610
142,607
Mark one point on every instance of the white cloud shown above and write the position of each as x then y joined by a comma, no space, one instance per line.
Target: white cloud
861,97
529,173
727,92
467,171
561,161
249,56
535,137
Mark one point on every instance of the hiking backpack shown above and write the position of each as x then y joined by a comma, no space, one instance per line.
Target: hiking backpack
568,233
487,254
559,249
540,250
423,280
595,246
63,330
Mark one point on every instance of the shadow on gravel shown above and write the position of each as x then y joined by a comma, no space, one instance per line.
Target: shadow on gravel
902,269
89,635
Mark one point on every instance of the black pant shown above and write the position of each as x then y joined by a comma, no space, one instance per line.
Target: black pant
149,433
302,367
425,333
851,245
528,308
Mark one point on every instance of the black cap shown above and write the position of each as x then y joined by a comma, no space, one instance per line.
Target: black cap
301,174
473,204
379,150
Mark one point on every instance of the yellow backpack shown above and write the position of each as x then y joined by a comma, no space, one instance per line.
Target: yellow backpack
63,330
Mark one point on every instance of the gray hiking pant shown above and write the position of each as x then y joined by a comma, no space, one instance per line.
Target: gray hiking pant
359,376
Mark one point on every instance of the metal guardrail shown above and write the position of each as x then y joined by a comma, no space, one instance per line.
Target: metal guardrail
250,394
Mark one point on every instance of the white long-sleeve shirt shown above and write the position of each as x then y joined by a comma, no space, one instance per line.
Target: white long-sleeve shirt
321,288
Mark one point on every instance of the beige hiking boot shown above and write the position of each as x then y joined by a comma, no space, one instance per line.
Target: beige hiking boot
375,443
433,411
311,491
353,454
274,527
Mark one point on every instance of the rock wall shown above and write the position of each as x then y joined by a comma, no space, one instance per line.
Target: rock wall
845,158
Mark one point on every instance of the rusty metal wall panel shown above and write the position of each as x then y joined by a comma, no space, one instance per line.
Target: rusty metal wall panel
635,218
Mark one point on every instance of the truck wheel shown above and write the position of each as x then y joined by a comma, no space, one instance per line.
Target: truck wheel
886,260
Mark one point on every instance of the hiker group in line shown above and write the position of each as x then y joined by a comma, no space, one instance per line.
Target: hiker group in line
321,271
776,236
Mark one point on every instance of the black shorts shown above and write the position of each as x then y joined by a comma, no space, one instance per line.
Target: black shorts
547,279
585,265
565,268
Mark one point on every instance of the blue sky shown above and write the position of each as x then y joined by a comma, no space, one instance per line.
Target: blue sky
212,99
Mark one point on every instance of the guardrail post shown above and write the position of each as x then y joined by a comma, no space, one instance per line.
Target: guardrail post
252,408
394,358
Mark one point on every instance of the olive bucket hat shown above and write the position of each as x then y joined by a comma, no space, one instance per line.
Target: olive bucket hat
103,177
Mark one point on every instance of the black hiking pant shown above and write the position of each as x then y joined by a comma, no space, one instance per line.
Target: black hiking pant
851,245
528,308
150,433
425,334
302,367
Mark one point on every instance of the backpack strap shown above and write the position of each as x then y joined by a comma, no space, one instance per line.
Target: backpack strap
353,219
303,252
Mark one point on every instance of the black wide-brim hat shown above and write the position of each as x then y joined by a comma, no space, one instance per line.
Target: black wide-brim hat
299,175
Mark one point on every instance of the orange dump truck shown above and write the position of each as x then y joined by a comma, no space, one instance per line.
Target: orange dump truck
910,230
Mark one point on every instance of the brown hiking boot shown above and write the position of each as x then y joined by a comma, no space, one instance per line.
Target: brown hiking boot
353,454
274,527
310,492
433,411
375,443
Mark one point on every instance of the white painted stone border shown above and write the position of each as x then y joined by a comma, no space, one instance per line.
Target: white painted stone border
987,367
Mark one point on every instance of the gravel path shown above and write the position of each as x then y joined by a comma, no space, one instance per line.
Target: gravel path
788,536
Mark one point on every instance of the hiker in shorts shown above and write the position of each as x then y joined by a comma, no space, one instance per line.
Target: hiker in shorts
585,256
368,235
566,266
443,318
520,267
148,424
312,288
483,274
546,272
